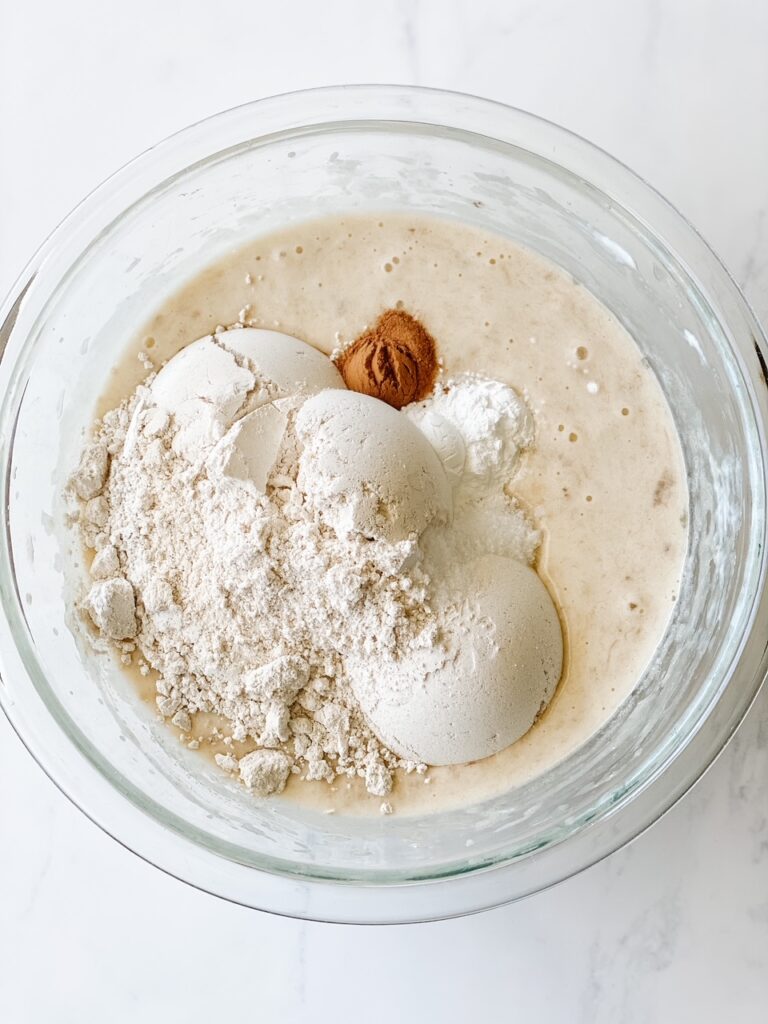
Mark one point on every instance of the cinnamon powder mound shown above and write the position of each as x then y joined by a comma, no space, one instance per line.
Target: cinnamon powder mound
395,361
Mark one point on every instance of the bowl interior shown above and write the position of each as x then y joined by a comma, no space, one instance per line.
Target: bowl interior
106,285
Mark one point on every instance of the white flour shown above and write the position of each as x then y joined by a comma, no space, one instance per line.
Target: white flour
247,604
480,428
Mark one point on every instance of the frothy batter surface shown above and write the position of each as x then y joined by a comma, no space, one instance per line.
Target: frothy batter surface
605,480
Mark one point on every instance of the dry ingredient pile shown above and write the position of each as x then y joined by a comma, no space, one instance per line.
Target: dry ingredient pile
341,574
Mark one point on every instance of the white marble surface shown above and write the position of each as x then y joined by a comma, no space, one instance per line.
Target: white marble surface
674,928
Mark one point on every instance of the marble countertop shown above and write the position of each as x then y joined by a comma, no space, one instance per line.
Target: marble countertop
673,928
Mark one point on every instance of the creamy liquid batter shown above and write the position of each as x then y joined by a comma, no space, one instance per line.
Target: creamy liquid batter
605,482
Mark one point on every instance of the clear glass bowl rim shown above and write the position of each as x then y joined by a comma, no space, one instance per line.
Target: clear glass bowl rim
484,886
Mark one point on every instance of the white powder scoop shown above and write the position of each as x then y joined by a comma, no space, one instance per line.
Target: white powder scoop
365,468
292,365
503,659
221,392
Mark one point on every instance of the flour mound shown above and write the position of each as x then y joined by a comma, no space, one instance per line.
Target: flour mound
216,570
244,603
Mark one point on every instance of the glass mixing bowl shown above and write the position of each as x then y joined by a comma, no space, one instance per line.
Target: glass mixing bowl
203,192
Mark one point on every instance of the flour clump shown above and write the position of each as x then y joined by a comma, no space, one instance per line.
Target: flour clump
113,608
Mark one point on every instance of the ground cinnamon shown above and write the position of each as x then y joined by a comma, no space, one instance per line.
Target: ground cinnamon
396,360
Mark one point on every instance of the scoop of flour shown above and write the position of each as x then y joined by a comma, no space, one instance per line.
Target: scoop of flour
366,469
493,423
498,667
286,362
217,379
480,430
